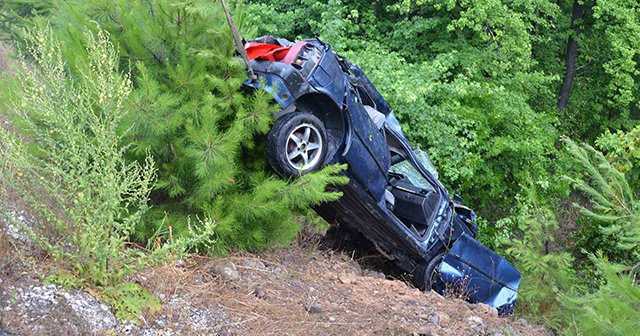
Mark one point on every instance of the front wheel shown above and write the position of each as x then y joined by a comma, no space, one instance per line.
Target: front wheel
297,144
426,274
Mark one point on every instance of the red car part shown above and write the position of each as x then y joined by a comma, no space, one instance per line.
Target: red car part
273,52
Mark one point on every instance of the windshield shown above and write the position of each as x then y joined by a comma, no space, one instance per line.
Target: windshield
412,174
423,157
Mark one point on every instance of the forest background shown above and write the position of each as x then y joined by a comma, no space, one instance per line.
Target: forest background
529,109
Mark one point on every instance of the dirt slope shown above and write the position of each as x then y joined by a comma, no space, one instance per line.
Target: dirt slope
306,289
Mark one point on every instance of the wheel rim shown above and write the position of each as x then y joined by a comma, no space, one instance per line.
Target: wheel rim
304,147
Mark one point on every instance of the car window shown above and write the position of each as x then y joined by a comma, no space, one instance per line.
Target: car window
423,157
412,174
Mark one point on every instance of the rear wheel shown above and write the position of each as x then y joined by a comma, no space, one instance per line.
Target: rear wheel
297,144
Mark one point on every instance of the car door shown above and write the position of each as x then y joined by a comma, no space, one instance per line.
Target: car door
366,152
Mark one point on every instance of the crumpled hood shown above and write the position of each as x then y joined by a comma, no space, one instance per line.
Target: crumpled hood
483,275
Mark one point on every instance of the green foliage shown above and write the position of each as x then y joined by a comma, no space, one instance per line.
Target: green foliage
188,111
129,299
623,152
546,270
613,309
65,279
14,14
614,207
620,22
67,160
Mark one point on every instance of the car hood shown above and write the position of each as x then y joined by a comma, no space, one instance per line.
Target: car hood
483,275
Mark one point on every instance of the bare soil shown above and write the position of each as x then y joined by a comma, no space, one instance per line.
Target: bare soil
310,289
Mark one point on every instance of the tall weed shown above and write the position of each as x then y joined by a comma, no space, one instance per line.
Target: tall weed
67,160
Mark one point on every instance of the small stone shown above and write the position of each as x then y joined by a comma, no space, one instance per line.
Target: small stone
254,264
314,308
434,318
346,278
484,309
258,292
355,267
510,331
229,272
280,273
332,319
475,319
478,323
374,274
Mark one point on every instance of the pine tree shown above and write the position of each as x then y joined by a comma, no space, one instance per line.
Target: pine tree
613,307
189,111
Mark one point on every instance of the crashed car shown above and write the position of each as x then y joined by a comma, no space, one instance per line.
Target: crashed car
331,113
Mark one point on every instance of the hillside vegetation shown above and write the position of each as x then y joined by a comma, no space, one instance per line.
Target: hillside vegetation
124,124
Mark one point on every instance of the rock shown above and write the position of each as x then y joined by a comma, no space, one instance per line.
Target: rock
280,273
258,292
423,332
295,283
254,264
314,308
476,322
434,319
485,310
228,271
508,329
346,278
374,274
356,267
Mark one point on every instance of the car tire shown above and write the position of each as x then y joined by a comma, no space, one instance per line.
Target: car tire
297,144
425,274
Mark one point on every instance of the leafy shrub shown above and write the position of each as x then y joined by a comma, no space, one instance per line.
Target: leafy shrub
613,309
614,209
623,151
546,271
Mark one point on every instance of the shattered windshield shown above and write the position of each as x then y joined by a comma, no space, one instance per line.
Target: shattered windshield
412,174
423,157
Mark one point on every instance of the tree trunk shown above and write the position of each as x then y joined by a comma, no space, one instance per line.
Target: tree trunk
572,56
377,9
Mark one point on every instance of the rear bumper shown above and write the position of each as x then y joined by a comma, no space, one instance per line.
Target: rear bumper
480,274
